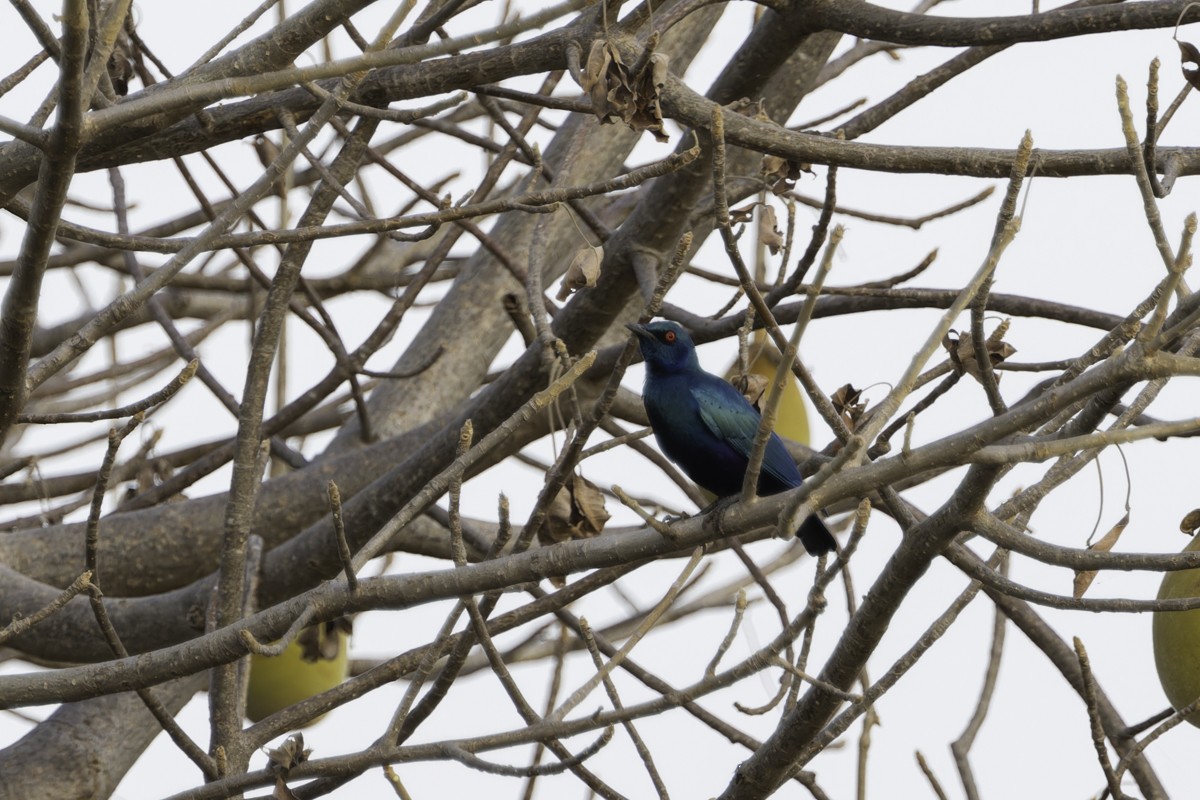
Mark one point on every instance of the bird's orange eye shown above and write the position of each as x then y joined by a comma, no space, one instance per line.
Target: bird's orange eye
669,337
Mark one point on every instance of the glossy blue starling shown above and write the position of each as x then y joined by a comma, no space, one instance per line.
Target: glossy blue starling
707,427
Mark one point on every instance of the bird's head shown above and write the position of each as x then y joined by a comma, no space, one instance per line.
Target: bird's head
666,346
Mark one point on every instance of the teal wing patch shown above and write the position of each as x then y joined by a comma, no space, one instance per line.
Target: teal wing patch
727,414
725,419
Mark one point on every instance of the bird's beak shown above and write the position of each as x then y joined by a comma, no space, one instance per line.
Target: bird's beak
641,330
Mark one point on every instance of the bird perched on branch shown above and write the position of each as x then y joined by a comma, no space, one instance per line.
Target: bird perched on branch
707,427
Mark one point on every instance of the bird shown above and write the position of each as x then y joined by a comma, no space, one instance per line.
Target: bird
707,427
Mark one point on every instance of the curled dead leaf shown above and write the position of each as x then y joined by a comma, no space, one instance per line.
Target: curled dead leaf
124,61
962,352
768,229
1189,57
266,150
1084,578
630,95
743,214
782,173
120,70
848,404
647,109
576,512
289,755
596,75
584,271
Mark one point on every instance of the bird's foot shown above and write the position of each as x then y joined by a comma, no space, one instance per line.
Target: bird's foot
716,513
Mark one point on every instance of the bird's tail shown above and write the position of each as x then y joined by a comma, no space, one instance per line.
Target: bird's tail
816,537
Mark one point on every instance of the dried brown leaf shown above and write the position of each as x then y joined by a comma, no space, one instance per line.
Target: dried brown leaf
782,173
618,94
266,150
576,512
742,215
120,70
589,503
962,352
648,85
1189,57
289,755
1084,578
584,271
768,229
847,402
595,76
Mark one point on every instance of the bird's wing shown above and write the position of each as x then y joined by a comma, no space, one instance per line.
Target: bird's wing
729,416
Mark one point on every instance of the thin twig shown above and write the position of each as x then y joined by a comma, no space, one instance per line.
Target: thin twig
611,689
339,533
961,747
22,624
739,611
161,396
1089,696
649,622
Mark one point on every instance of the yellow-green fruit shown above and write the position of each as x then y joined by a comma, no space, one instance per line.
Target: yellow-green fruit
298,673
792,418
1177,638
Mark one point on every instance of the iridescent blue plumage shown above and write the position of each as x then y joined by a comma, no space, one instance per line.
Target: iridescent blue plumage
707,427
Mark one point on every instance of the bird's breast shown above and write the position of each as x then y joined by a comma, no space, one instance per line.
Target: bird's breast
686,439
